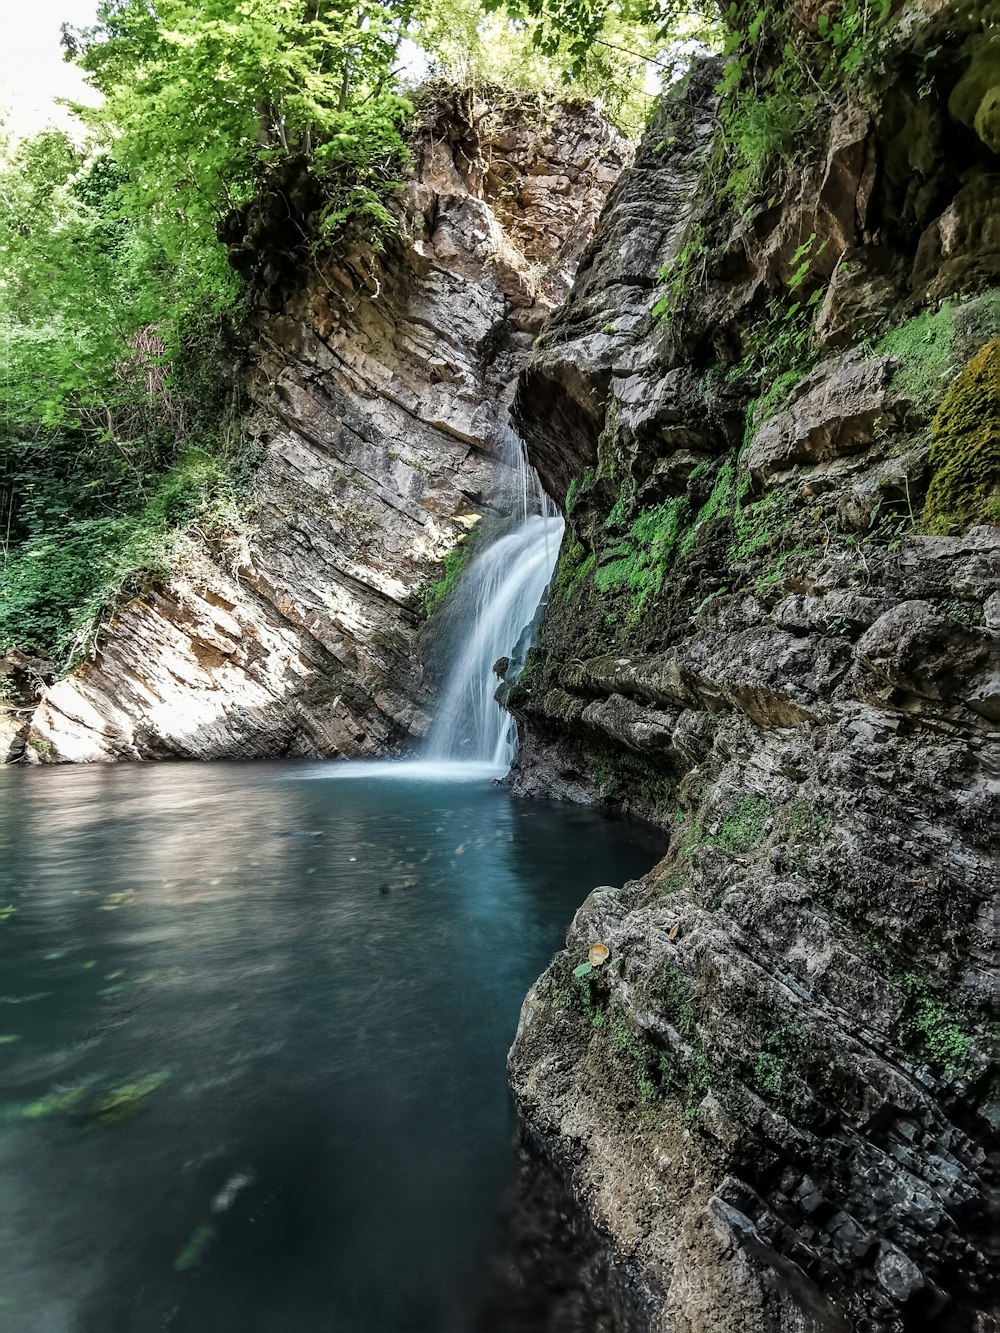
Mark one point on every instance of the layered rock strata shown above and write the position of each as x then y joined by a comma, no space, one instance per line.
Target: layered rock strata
382,381
766,635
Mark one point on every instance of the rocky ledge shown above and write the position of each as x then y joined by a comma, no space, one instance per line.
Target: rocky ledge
774,631
382,382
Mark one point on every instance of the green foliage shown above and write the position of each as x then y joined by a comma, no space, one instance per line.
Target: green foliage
929,1025
758,524
623,775
86,293
775,1070
640,562
441,589
200,101
640,1055
114,396
745,828
717,505
678,277
55,584
779,85
673,991
965,448
806,826
573,567
476,45
622,505
924,347
578,486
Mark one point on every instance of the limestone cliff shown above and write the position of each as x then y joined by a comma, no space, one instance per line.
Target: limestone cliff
381,380
773,631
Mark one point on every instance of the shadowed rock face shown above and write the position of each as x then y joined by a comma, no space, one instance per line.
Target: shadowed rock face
381,380
774,1096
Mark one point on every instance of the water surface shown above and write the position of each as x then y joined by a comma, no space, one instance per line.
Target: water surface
252,1036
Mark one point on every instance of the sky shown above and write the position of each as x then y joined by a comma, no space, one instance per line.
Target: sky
32,71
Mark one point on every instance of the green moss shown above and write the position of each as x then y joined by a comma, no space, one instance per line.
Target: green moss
774,398
965,448
717,504
929,1026
806,826
640,562
522,688
674,993
574,566
620,774
776,1068
759,524
622,505
640,1056
924,346
577,487
745,829
806,823
772,575
454,563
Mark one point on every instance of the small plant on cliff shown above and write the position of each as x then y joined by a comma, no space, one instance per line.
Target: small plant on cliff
782,79
929,1025
640,561
456,560
745,828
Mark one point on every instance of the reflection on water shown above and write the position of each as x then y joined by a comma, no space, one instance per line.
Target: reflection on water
252,1041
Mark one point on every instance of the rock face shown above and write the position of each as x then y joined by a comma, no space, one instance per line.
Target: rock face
774,1096
382,382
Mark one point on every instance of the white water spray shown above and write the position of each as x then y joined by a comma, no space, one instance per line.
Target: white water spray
500,595
495,606
492,615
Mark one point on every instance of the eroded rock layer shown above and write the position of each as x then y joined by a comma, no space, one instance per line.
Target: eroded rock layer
773,631
382,382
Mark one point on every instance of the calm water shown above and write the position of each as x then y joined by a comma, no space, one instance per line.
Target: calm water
253,1025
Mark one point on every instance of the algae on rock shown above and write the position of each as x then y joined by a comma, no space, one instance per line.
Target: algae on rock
965,448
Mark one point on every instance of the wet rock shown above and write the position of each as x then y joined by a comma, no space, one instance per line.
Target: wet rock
13,734
916,649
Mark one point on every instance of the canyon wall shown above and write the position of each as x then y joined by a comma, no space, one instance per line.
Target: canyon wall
773,632
382,382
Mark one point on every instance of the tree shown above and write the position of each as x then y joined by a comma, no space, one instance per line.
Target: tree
200,99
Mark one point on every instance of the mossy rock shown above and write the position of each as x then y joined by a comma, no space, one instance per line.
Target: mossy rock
965,448
987,122
971,99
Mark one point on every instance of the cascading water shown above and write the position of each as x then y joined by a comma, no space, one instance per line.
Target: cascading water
495,606
491,615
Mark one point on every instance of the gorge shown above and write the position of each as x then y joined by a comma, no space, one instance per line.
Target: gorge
753,606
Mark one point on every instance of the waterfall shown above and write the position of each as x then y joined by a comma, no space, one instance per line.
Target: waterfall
494,607
491,615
